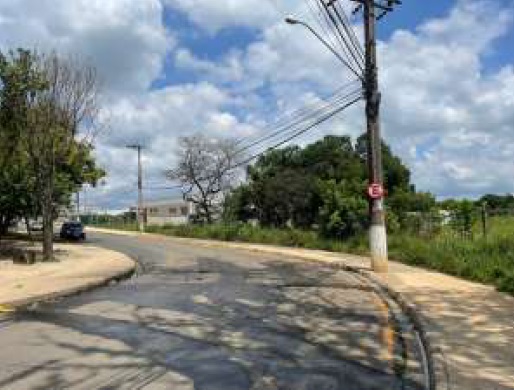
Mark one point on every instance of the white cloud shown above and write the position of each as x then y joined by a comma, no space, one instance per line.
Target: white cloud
156,120
124,39
451,120
435,87
215,15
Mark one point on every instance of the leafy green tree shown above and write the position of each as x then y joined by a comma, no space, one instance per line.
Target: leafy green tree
43,102
19,82
497,202
322,185
285,198
333,158
408,201
397,176
344,213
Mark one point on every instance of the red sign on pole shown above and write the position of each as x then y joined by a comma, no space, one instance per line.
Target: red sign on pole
376,191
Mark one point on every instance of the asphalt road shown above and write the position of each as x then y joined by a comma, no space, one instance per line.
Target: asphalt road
206,319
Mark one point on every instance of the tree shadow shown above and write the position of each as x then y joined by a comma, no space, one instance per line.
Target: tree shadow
216,325
476,329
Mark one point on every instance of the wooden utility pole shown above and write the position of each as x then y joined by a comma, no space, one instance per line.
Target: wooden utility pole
140,206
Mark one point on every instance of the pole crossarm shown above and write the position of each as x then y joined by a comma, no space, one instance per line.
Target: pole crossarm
386,6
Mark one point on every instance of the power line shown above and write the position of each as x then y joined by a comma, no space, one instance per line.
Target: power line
289,138
295,114
323,24
345,21
343,35
339,38
320,113
302,131
301,119
291,116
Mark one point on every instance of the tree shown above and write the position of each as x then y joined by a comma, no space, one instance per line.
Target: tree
284,198
18,82
45,100
321,185
497,202
344,212
68,100
206,171
397,176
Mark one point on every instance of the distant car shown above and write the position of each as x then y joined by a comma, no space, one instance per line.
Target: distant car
72,231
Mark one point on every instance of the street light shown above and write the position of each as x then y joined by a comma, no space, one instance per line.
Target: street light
292,21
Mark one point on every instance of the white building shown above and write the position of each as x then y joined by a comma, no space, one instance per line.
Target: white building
174,212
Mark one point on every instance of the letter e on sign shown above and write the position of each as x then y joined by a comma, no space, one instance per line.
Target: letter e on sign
376,191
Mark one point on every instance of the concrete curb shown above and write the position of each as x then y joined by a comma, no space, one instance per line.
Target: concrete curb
20,304
437,366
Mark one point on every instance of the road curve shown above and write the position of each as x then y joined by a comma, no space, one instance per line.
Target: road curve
213,319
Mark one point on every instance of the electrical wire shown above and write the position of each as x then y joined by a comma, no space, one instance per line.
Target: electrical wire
290,136
320,18
339,38
345,21
282,126
295,114
292,128
343,35
302,131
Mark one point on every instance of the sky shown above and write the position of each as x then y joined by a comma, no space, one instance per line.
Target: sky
229,68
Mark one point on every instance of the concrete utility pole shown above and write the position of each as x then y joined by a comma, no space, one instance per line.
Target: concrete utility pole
339,23
140,207
377,233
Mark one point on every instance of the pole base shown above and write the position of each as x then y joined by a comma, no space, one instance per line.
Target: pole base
378,248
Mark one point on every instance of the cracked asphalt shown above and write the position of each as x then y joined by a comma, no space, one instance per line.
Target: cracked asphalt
213,319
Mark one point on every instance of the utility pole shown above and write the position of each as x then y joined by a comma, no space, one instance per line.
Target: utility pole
377,232
140,207
77,201
340,23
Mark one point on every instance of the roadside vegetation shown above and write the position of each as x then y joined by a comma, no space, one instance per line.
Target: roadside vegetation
486,260
314,197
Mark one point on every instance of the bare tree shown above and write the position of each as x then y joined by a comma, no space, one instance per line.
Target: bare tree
206,170
67,99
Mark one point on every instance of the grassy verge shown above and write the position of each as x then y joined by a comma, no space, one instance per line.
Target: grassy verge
486,260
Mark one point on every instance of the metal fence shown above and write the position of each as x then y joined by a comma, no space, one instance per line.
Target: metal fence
468,224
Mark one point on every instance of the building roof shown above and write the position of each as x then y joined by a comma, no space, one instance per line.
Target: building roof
166,202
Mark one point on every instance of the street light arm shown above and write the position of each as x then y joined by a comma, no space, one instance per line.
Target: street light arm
292,21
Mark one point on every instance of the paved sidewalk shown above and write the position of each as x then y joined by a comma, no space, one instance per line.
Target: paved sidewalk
79,267
473,323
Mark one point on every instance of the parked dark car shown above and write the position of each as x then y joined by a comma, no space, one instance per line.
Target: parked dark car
72,231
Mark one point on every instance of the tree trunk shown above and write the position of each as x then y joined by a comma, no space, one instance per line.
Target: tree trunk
207,211
48,228
29,230
5,222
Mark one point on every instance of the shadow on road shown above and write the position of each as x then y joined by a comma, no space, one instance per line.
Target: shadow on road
216,325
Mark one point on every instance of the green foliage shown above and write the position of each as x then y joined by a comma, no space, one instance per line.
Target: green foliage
321,186
41,161
497,202
403,201
343,214
396,175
